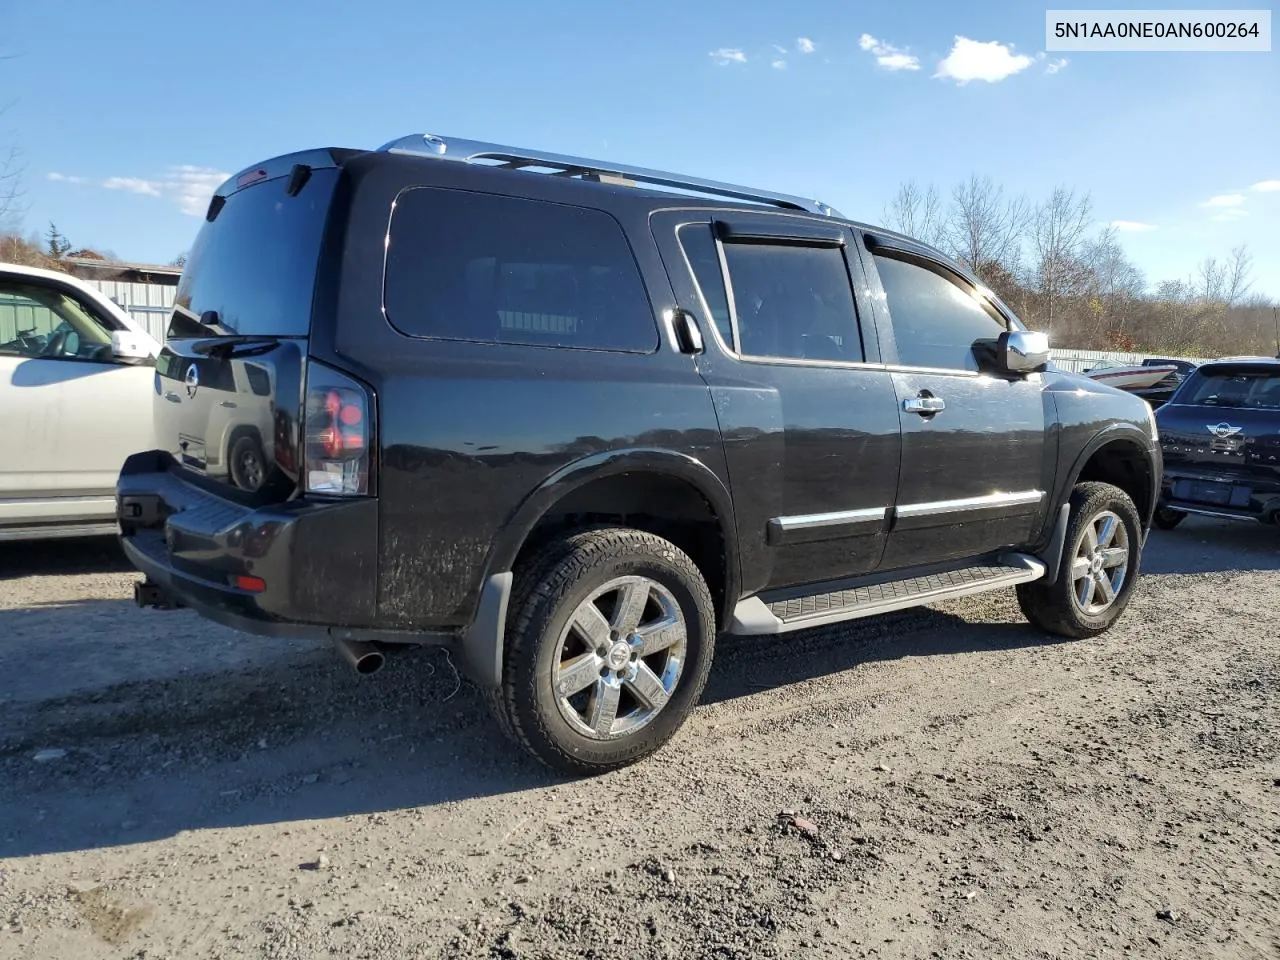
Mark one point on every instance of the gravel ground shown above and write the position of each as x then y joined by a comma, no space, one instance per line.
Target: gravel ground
944,782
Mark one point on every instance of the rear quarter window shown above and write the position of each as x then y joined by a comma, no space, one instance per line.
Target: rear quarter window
495,269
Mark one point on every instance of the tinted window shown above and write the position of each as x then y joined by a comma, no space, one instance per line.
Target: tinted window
254,266
700,248
44,322
259,379
938,320
793,301
470,266
1251,389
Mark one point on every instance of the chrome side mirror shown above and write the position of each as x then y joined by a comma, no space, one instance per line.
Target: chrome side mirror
1023,351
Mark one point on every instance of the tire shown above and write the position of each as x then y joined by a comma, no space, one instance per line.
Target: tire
547,650
247,463
1167,519
1056,607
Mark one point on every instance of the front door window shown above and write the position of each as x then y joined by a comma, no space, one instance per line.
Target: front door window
40,322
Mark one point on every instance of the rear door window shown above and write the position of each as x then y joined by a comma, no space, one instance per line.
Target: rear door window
699,246
791,300
496,269
252,269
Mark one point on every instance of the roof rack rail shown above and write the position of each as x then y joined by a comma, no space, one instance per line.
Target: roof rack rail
516,158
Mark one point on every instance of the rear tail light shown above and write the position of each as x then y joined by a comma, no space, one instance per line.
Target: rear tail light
338,433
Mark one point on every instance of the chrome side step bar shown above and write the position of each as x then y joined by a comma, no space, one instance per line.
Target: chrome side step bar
752,617
1217,514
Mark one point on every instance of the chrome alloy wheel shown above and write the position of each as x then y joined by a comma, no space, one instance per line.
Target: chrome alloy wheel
618,660
1100,563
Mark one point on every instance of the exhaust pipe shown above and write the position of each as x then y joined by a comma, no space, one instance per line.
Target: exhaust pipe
366,658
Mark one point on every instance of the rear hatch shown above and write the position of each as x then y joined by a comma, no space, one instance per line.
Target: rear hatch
1223,425
233,380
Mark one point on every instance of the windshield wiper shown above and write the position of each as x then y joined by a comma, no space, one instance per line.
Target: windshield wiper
229,346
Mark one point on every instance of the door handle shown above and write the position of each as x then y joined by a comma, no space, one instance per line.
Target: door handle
925,405
686,331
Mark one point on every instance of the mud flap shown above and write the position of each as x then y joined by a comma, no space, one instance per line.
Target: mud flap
1052,556
483,640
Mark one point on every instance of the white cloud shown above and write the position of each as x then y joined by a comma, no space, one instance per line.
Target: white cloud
1224,200
1230,215
898,61
193,186
148,188
1267,186
887,55
1055,66
1132,226
779,64
975,60
805,45
727,55
63,178
188,186
779,47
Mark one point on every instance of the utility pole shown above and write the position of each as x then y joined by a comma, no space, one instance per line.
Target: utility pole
1275,315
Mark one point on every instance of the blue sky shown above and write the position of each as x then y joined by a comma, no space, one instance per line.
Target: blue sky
129,114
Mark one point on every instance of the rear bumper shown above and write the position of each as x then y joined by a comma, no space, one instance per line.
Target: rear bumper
1217,494
318,560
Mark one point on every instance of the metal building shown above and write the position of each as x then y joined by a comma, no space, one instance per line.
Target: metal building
145,291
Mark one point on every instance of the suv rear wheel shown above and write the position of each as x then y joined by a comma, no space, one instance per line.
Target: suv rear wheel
248,463
1099,566
609,641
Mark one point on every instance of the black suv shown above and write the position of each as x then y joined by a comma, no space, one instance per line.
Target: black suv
573,420
1220,434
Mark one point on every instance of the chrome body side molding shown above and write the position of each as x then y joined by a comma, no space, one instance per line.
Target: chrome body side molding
825,526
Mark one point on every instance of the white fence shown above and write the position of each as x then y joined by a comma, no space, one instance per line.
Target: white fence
1077,361
148,303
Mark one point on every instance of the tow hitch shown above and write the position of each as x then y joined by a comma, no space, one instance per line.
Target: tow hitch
151,594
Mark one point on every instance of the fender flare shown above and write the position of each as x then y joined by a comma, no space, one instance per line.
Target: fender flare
1113,432
1056,520
482,643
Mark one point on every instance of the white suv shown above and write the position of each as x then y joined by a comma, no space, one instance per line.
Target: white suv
76,382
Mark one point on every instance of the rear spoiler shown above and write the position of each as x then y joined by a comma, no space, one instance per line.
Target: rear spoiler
282,166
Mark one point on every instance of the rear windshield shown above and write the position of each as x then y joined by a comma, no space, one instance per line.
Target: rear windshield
252,270
1251,389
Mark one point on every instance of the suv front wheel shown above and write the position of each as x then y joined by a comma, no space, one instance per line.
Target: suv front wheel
1099,566
609,641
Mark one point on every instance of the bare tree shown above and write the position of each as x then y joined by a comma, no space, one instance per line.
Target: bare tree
11,186
984,227
917,213
1237,275
1057,232
12,172
1211,280
1113,286
1112,272
1049,264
